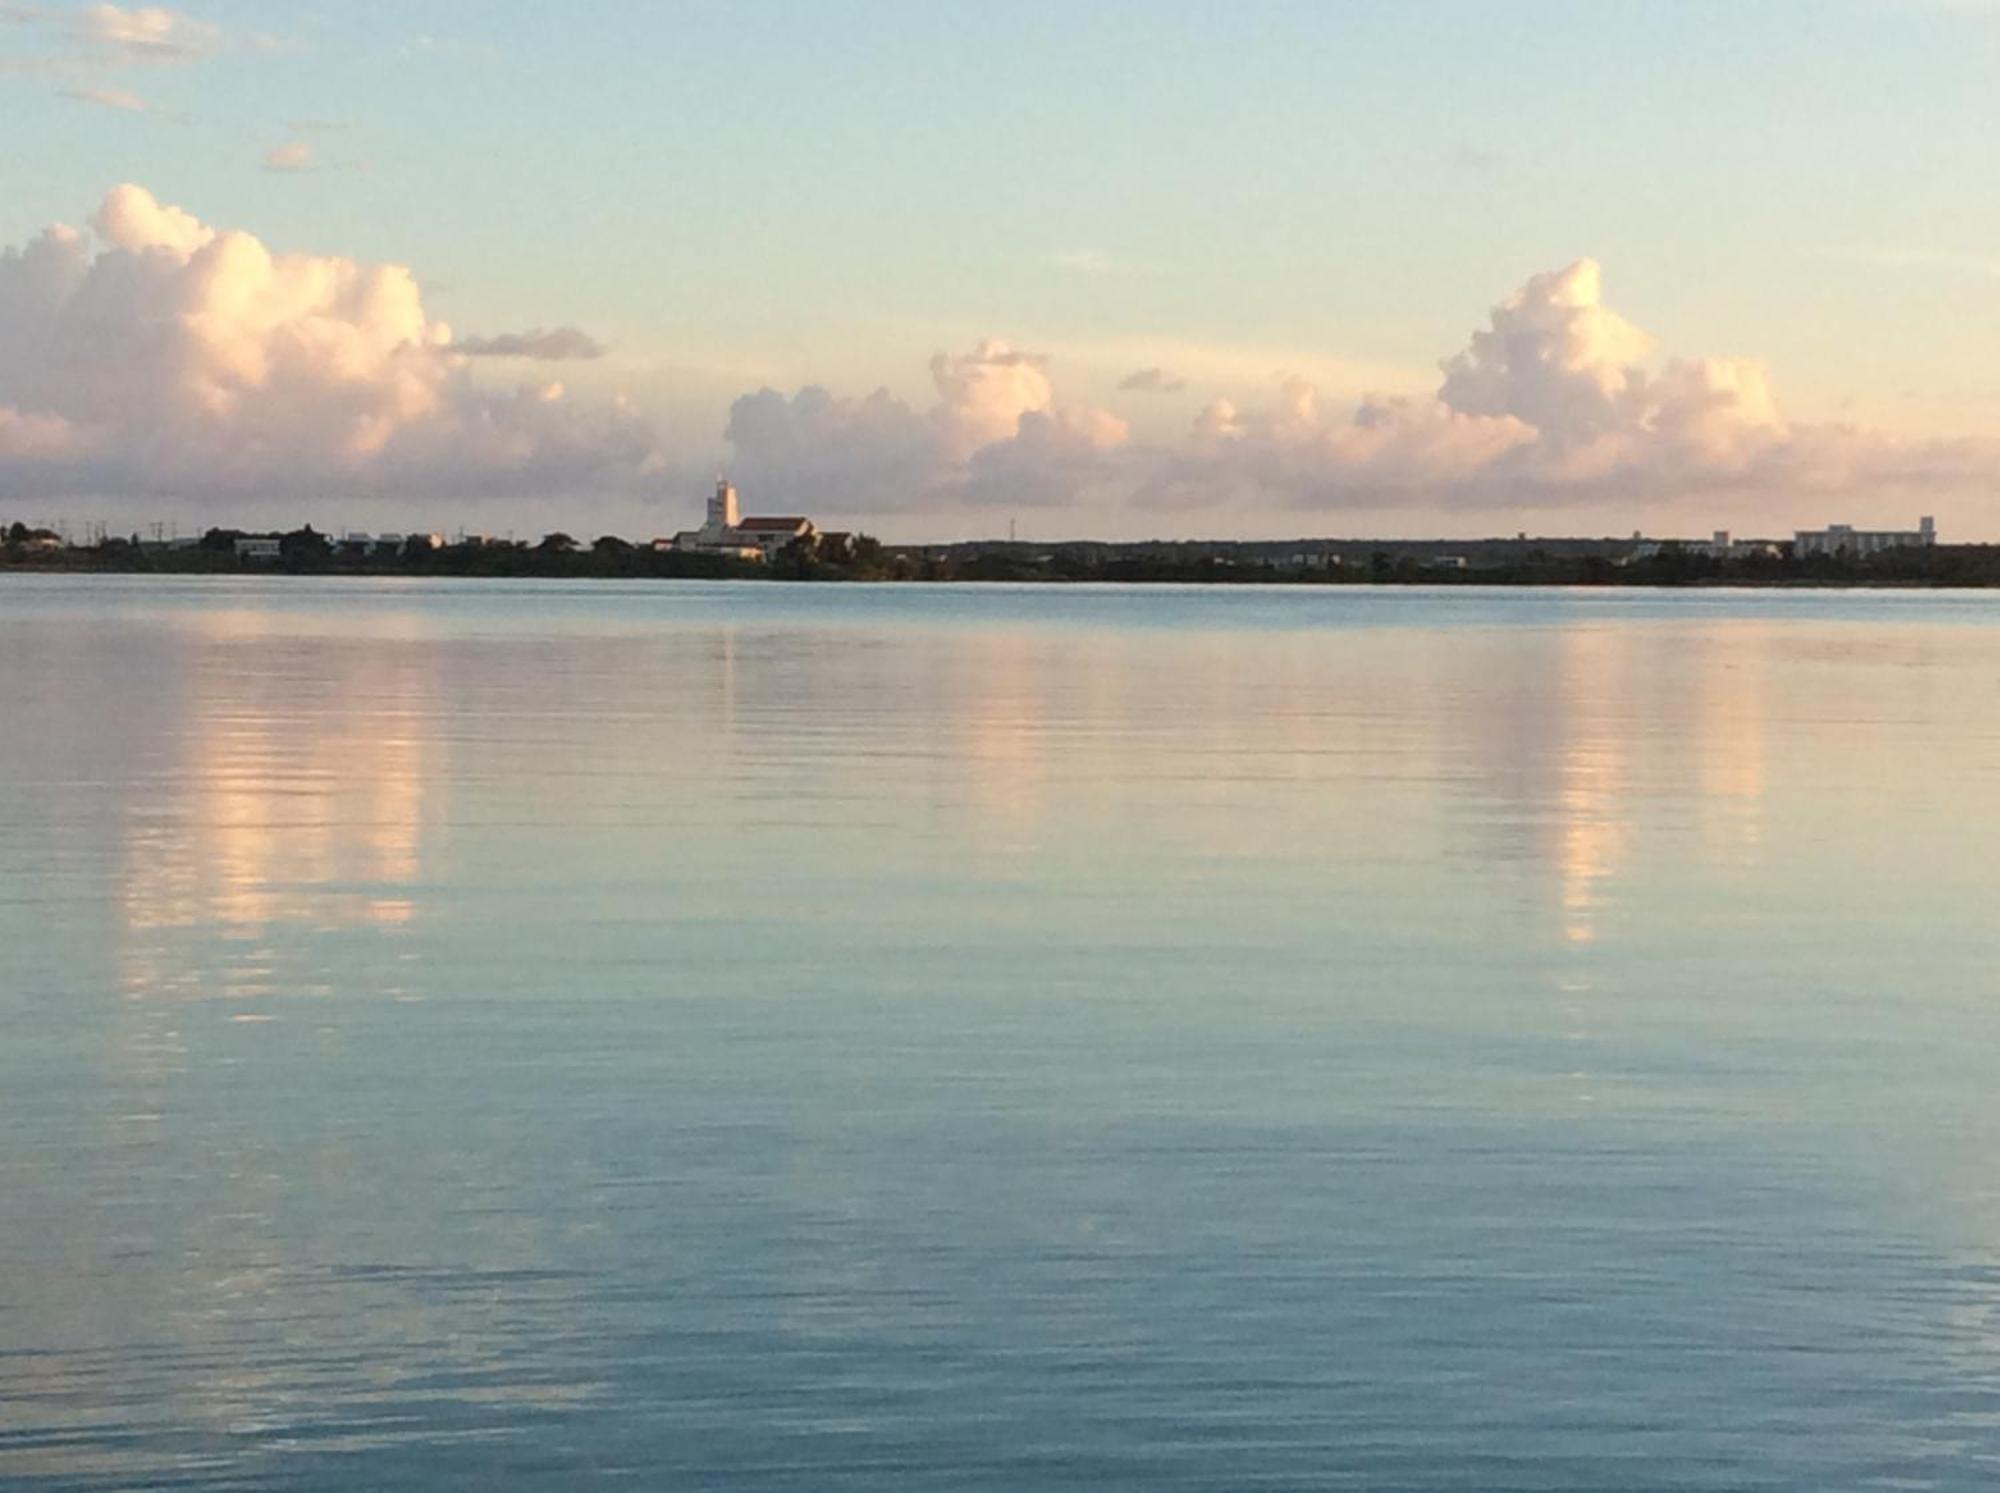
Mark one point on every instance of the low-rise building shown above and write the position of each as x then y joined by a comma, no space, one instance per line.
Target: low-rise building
1839,539
726,532
1718,546
259,547
771,535
354,542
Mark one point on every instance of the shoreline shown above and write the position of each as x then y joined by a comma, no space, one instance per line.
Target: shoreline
1266,579
860,558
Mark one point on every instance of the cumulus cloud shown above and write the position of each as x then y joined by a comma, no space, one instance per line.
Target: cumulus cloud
108,98
996,432
1152,381
556,344
1557,400
154,352
145,34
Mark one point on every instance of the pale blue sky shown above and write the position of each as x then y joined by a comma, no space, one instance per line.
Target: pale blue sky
735,194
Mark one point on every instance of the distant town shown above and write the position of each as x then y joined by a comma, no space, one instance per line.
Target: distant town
730,545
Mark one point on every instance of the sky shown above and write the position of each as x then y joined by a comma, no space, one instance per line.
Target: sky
938,269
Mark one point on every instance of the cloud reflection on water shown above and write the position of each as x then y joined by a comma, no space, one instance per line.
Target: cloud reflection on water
804,990
299,798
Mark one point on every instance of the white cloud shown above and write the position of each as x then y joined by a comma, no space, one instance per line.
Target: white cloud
156,353
145,34
87,41
1557,401
996,432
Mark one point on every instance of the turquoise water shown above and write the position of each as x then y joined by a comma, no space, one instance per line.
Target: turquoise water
464,1035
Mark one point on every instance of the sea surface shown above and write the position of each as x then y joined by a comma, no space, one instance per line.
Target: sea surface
473,1035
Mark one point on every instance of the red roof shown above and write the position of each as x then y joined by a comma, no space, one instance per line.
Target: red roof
774,523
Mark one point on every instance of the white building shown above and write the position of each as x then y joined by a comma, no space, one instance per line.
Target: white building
1718,546
259,547
355,542
726,532
1836,538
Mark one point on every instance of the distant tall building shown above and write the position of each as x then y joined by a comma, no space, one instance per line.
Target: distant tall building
727,532
1835,539
722,509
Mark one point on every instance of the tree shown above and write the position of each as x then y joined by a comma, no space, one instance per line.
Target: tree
304,549
795,562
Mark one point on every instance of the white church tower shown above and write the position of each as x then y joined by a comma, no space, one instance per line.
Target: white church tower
722,510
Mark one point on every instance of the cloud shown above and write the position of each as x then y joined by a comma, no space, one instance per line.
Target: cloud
292,156
86,41
554,345
30,435
996,432
144,34
108,98
1557,400
154,353
1152,381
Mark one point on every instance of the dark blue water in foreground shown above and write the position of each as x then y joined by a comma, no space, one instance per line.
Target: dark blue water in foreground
458,1036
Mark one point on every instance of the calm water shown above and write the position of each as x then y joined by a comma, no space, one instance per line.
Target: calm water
465,1035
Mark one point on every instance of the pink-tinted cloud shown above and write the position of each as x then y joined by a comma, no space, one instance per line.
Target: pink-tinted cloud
147,33
292,156
996,432
154,352
1557,400
122,99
